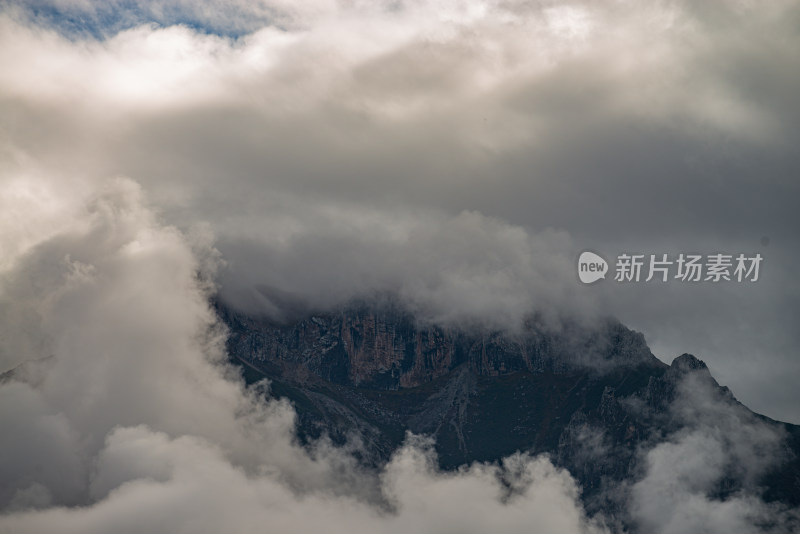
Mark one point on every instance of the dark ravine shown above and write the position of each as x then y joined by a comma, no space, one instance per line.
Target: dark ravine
590,397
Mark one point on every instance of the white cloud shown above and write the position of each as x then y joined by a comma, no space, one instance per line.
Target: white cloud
138,422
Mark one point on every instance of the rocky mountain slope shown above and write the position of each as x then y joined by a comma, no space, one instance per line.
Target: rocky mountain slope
592,397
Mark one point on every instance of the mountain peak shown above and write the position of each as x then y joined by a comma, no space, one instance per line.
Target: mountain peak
686,363
589,395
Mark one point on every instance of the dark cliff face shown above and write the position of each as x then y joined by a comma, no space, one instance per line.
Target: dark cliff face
593,398
385,349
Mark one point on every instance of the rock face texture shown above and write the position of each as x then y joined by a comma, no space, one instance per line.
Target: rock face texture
386,350
592,397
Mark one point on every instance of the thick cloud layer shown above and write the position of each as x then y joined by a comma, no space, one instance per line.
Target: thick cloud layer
458,155
125,410
124,417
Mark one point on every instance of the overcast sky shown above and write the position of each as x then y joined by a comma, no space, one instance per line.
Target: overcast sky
459,155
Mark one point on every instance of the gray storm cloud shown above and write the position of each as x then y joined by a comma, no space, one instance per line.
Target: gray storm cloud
458,155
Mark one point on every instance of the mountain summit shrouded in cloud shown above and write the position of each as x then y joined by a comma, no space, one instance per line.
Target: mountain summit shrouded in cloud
287,159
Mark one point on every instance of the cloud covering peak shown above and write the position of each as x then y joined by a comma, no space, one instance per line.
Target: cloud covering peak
136,421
